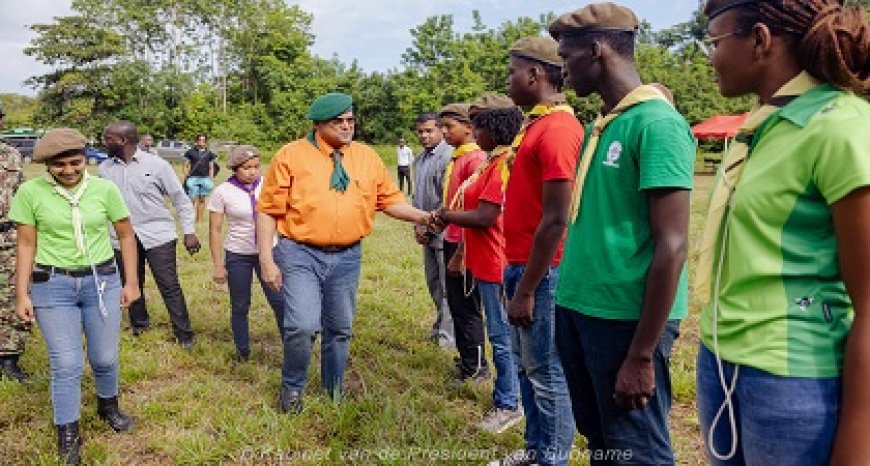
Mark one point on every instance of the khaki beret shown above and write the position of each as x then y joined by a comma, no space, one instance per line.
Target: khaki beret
240,155
329,106
596,17
714,8
458,111
58,141
490,102
538,48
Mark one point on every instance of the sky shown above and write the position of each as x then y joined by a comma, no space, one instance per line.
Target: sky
374,32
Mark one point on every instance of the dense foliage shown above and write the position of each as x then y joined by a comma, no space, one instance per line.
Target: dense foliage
243,70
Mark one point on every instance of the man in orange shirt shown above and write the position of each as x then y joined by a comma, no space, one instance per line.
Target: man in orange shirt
321,193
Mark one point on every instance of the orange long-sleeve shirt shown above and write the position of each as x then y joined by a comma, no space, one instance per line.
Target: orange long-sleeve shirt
296,192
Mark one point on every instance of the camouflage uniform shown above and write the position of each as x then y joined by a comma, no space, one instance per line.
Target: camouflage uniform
12,329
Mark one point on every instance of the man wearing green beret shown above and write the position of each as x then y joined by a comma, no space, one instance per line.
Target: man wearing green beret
321,194
622,284
13,331
536,201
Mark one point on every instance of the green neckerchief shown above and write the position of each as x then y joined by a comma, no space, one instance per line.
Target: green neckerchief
339,179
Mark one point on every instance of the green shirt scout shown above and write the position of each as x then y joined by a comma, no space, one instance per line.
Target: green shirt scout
37,204
782,305
610,246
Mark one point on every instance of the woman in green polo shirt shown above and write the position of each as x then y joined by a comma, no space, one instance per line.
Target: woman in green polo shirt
65,260
784,363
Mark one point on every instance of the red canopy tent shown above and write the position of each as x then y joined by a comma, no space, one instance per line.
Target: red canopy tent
719,127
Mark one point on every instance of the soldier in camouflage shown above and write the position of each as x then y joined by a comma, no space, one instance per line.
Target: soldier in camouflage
12,330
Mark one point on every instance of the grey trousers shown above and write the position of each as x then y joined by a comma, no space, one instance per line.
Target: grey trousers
434,267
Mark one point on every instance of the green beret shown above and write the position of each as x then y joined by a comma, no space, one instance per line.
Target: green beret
714,8
329,106
490,102
538,48
240,155
457,111
58,141
596,17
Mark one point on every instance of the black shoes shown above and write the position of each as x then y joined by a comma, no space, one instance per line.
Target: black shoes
188,343
9,368
290,401
137,331
69,443
108,410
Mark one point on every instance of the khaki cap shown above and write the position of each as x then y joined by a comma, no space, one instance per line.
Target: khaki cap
490,102
596,17
538,48
456,110
240,155
58,141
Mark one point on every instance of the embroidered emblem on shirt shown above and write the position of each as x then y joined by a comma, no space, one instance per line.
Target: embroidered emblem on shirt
804,303
613,154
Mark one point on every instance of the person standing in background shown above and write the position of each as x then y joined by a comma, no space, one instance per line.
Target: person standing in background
403,165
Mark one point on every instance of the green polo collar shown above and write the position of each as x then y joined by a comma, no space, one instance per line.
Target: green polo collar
801,110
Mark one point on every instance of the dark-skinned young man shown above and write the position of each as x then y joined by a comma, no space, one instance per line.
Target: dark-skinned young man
536,203
622,283
146,180
320,195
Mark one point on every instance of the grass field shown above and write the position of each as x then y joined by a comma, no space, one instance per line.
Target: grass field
193,407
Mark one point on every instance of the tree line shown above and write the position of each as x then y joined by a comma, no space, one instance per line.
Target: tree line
243,70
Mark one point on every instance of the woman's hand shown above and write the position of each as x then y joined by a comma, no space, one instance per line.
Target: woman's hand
219,274
129,294
24,308
271,274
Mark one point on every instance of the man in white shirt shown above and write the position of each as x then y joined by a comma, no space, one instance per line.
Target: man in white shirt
403,162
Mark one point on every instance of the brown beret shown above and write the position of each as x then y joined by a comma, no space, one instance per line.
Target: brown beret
58,141
240,155
714,8
596,17
458,111
538,48
490,102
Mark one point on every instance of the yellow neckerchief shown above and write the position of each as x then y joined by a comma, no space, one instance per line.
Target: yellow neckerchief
466,148
458,201
538,112
73,199
638,95
730,170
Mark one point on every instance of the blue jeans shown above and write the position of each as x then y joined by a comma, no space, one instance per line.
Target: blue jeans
65,306
320,292
786,421
506,387
592,352
240,272
549,423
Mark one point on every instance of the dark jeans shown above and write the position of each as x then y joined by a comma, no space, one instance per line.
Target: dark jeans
464,302
240,272
161,260
592,351
404,173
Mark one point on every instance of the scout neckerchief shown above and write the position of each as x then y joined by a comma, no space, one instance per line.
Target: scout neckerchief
730,170
251,191
640,94
466,148
74,198
538,112
339,179
458,201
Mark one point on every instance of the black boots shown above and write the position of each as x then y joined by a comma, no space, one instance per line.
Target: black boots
109,411
290,401
9,368
68,443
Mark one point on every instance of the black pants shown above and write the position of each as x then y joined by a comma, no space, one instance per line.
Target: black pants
404,173
467,317
161,260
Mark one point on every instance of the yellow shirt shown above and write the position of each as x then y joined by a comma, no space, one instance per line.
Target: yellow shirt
296,192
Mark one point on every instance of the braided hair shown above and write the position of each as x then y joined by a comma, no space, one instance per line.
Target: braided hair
833,40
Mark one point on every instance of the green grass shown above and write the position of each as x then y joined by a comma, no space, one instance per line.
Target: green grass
195,408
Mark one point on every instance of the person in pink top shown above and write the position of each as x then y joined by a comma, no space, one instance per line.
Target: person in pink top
462,296
235,200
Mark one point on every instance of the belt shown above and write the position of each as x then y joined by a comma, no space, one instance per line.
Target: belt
331,249
103,268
